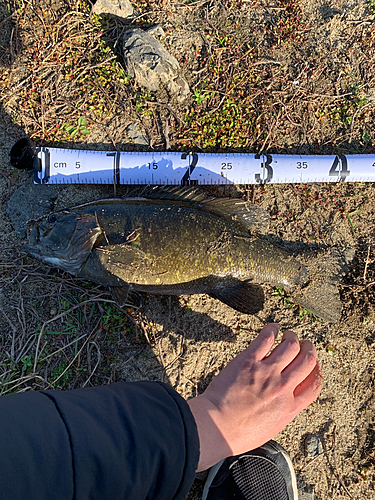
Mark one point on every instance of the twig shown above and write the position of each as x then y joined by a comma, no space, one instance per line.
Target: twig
75,357
178,356
14,329
62,348
97,363
134,355
166,135
366,262
313,459
145,332
166,322
354,115
22,380
270,131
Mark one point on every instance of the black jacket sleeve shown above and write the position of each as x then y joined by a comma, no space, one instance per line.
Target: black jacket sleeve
130,441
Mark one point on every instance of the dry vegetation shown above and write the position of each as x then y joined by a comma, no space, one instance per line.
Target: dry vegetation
281,76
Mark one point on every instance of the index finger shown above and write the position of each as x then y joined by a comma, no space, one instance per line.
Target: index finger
263,343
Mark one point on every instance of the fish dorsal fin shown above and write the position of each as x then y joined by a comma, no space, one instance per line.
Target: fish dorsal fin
175,193
246,215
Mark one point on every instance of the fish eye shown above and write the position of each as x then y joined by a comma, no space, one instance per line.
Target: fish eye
52,218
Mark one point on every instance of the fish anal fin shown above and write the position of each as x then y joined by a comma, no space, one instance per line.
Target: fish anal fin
120,294
244,297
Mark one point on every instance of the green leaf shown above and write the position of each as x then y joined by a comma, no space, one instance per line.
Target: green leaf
366,136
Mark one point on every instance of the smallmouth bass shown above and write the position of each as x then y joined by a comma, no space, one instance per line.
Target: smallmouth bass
176,242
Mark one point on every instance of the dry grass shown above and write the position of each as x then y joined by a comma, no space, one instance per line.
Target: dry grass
67,336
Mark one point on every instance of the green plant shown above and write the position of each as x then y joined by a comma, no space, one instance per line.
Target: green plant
304,313
80,128
60,374
27,362
348,216
280,292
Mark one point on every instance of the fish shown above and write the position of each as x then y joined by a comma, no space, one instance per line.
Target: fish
178,241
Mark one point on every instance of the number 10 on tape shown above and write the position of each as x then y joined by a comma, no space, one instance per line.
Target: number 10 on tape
67,166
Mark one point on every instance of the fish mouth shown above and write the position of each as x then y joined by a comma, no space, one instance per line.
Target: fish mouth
68,244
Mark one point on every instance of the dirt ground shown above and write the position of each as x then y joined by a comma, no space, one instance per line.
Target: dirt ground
187,340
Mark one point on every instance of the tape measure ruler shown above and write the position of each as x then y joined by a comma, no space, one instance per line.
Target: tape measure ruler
73,166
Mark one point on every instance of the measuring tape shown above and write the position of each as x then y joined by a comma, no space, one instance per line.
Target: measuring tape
73,166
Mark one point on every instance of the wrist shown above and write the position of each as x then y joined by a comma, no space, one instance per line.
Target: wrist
213,446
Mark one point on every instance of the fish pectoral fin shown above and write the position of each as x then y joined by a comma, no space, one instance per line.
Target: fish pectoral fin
112,256
120,294
124,296
244,297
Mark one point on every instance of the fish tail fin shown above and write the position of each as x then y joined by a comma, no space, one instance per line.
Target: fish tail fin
321,295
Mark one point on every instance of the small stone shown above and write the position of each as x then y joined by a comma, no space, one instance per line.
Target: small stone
305,491
30,201
138,136
156,30
151,65
313,445
119,8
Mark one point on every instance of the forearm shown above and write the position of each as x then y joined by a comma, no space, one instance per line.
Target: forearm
123,441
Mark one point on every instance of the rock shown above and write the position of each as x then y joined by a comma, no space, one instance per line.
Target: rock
155,30
313,445
137,135
30,201
119,8
148,61
305,491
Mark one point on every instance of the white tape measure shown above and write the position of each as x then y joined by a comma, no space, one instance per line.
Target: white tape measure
72,166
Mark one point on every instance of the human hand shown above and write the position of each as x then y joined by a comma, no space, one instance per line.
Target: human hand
256,395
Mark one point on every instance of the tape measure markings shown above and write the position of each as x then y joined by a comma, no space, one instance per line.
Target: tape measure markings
59,166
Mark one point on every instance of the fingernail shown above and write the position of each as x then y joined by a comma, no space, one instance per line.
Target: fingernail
272,328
